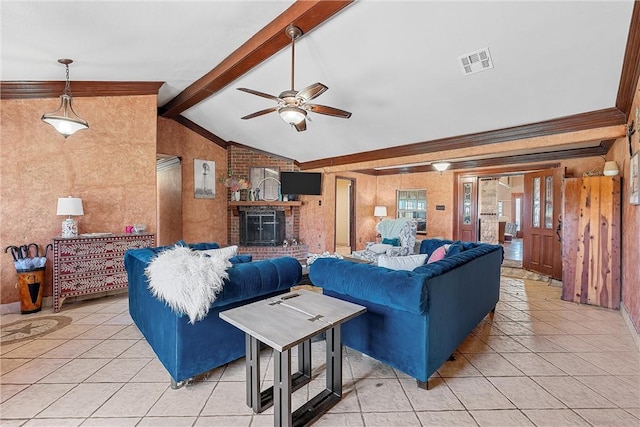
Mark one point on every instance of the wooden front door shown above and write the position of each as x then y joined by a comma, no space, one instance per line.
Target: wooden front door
467,222
541,213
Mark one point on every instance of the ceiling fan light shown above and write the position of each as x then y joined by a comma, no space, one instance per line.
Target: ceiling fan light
441,166
292,115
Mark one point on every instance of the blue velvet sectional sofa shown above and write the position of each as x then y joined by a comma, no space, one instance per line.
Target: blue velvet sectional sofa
185,349
416,319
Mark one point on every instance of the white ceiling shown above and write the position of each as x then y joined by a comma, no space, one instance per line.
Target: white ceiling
393,64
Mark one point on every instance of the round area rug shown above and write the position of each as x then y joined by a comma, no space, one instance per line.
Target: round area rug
31,328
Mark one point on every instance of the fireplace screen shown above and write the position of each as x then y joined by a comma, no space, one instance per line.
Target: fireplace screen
262,228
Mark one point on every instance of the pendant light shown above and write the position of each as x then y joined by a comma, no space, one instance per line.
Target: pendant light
64,119
441,166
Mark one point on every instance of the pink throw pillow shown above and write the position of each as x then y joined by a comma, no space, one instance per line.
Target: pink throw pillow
438,254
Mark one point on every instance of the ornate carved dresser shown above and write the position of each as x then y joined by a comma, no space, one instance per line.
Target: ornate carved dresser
85,265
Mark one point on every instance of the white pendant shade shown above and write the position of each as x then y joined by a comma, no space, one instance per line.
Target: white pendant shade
441,166
64,119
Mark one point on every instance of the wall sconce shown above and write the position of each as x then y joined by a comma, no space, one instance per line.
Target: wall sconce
610,168
64,119
380,212
70,206
441,166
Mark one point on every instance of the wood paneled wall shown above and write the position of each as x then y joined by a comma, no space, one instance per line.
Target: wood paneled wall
591,241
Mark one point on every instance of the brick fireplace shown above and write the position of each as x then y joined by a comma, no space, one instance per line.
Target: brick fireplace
291,212
240,161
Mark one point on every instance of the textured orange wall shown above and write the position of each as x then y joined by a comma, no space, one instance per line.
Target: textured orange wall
439,188
630,223
111,166
203,220
317,221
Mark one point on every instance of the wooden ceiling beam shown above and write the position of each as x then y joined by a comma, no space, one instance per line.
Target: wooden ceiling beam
304,14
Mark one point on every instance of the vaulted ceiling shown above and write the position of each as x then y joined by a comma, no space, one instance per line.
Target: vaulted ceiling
559,68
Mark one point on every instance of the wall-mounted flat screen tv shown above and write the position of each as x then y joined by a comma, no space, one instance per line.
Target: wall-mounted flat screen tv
307,183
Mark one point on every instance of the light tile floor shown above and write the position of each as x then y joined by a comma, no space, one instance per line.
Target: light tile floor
536,361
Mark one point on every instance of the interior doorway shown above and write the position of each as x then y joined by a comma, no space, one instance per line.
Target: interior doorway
345,216
516,213
169,199
489,208
510,199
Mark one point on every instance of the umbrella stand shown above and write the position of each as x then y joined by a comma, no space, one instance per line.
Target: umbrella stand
30,284
30,268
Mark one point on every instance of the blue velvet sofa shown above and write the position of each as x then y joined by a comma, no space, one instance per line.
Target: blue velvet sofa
187,350
416,319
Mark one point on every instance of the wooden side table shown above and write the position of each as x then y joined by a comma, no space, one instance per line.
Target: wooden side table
91,264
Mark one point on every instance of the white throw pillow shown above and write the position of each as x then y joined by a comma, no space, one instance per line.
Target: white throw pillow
408,262
379,248
224,253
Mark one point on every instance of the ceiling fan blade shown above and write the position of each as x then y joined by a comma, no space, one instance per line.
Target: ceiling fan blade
312,91
301,126
262,94
329,111
259,113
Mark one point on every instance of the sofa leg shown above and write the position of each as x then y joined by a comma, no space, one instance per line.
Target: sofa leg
452,357
493,310
176,384
179,384
423,384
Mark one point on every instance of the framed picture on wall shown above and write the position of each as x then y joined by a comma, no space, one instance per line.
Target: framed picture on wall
634,179
204,181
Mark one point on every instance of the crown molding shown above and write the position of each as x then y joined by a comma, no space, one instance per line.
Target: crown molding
201,131
579,122
631,64
53,89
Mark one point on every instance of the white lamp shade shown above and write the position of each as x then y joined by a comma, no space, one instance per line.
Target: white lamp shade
380,211
70,206
611,168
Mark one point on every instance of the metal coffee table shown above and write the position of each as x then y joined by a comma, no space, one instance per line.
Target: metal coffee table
283,322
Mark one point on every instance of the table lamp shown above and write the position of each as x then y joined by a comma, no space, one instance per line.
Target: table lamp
380,212
70,206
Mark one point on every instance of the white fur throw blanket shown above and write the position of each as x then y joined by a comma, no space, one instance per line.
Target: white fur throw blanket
187,280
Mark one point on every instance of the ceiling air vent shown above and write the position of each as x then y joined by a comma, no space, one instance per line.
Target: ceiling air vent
477,61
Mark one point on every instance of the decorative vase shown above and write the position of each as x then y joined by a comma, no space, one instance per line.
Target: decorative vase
235,196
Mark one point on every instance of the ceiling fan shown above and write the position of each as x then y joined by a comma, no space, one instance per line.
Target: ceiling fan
293,105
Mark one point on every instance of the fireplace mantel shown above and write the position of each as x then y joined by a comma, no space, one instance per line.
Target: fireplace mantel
288,205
